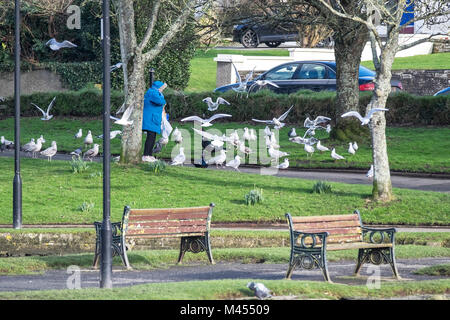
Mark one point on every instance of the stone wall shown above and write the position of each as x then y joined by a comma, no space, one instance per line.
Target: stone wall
31,81
423,82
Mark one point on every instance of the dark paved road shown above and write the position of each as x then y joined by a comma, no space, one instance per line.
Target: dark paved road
340,272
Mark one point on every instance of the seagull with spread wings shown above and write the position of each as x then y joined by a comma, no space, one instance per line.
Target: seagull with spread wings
46,115
206,122
364,120
213,106
124,120
276,122
242,88
55,45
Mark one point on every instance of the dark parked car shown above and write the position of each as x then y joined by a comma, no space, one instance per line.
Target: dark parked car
313,75
251,35
444,91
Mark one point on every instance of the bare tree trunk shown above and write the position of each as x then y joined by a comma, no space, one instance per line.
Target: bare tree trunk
382,187
350,39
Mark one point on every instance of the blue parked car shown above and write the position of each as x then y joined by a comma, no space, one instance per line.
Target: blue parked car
444,91
313,75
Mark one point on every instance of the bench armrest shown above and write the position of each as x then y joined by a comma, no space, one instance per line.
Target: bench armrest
300,238
390,232
116,228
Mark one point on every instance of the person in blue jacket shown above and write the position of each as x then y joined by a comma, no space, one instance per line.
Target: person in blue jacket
154,103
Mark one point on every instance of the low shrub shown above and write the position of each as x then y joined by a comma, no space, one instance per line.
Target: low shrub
157,166
321,187
78,165
254,196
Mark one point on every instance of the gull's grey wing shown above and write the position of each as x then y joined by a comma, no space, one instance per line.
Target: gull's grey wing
68,44
272,83
221,100
352,114
321,119
250,75
193,118
208,100
372,111
43,113
114,118
284,115
51,41
204,134
127,113
50,105
218,115
238,76
264,121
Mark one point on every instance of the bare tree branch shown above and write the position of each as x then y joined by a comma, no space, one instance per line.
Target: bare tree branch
151,26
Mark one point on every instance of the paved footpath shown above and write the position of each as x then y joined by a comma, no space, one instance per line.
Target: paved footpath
340,272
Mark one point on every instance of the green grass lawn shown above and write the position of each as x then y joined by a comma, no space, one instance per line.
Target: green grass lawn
410,149
426,61
53,194
232,289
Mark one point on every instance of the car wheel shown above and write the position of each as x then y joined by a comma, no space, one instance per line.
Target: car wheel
250,39
273,44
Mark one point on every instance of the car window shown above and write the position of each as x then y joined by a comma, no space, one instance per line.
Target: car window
311,71
364,72
282,73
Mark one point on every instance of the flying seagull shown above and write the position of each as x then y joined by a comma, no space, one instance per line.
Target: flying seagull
216,140
55,45
276,121
314,123
112,134
261,84
212,106
46,115
116,66
124,120
50,152
206,122
242,87
367,118
259,289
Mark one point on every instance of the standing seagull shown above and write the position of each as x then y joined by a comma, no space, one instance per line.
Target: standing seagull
218,160
320,147
355,146
88,140
213,106
79,134
292,133
276,121
284,165
206,122
336,156
369,173
91,153
367,118
235,163
36,148
176,136
350,148
77,152
55,45
309,149
179,159
46,115
50,152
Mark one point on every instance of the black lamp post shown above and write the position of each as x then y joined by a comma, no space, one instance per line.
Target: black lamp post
17,182
152,76
106,245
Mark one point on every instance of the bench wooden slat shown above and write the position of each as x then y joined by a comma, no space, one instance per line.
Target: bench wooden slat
169,216
338,217
168,210
167,223
335,239
325,225
171,230
172,235
342,231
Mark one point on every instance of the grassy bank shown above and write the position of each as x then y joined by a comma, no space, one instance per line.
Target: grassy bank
53,194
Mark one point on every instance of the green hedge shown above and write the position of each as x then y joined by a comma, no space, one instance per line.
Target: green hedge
404,108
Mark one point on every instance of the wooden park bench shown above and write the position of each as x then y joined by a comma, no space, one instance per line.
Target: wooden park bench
311,238
191,225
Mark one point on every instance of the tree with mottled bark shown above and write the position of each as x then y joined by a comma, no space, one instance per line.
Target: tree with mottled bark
384,50
139,53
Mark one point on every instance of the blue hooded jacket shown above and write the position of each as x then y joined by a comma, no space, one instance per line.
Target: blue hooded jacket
153,105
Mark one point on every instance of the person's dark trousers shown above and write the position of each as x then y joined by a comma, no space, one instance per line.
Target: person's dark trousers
149,143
